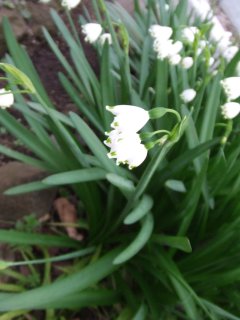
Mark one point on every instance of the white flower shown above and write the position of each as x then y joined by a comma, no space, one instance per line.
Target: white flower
160,32
128,150
44,1
167,7
128,118
230,52
188,95
231,87
105,37
224,42
201,46
188,34
167,48
211,61
230,110
187,62
174,60
92,31
176,47
115,136
162,47
6,99
70,4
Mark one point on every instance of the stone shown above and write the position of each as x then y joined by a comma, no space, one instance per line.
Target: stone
15,207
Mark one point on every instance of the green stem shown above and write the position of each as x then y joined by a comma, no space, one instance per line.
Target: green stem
229,127
73,27
143,183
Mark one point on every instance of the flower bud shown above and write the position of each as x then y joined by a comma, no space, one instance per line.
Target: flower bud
6,98
92,31
70,4
188,34
188,95
105,37
187,62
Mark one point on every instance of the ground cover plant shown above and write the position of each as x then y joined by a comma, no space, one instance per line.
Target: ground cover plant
152,158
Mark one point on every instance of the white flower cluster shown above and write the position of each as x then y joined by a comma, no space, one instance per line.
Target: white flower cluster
231,87
124,141
225,47
188,36
6,98
165,47
93,32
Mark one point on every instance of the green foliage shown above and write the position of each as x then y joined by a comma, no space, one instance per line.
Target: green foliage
162,240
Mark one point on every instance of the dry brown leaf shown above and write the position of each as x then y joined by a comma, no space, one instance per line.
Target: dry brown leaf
68,214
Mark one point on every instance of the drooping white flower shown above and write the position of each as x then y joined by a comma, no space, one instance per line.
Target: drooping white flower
105,37
128,151
162,48
230,52
115,136
188,34
167,48
188,95
176,47
231,87
160,32
6,98
92,31
174,60
230,110
187,62
70,4
128,118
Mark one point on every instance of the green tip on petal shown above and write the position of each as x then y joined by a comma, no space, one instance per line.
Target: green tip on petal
108,108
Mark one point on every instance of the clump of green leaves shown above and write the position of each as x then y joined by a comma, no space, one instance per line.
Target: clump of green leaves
164,237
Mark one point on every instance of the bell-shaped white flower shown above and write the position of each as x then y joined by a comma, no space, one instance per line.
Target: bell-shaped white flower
70,4
6,98
128,118
162,47
188,95
230,110
188,34
92,32
231,87
175,60
230,52
115,136
187,62
176,47
105,37
160,32
128,151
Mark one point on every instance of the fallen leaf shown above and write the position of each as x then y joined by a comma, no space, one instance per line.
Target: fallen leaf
68,215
